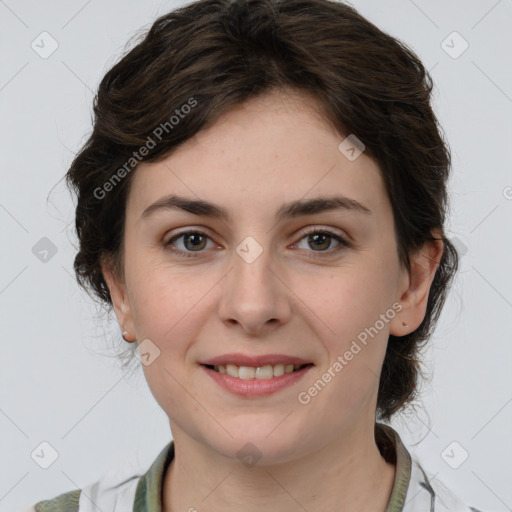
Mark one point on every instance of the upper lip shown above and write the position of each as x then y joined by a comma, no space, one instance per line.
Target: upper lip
246,360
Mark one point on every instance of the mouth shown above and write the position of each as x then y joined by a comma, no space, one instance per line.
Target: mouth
265,372
251,382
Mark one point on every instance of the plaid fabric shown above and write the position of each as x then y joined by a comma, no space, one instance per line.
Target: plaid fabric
413,490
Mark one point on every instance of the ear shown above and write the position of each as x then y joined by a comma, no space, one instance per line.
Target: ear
120,298
416,286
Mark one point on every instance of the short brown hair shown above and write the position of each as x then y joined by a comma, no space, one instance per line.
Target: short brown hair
223,52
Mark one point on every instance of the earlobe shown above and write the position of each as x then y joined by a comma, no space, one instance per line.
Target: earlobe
419,279
120,299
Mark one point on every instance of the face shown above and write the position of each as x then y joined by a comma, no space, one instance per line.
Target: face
306,284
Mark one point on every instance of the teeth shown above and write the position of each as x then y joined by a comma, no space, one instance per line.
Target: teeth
246,372
231,370
261,372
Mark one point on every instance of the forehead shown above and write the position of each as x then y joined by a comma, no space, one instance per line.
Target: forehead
273,149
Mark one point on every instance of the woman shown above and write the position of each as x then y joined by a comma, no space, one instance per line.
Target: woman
262,201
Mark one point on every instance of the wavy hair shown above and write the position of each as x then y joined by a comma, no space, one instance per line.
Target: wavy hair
223,52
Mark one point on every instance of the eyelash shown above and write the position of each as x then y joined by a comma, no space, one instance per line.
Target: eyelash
191,254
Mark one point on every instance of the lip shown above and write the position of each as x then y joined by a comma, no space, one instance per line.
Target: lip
255,361
256,387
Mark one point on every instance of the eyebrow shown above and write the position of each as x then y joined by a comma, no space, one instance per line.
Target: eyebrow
288,210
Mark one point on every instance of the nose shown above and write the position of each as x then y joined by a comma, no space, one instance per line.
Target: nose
255,295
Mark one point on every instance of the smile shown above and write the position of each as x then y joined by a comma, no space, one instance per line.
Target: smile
254,382
260,372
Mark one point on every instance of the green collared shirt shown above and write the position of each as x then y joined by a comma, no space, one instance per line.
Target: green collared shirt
412,490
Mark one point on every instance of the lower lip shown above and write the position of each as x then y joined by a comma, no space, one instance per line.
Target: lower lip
256,387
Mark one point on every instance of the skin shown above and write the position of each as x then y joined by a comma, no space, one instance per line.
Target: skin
320,456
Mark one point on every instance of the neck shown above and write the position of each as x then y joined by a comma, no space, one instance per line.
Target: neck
347,474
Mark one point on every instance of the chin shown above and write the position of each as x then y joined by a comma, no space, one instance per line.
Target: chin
257,447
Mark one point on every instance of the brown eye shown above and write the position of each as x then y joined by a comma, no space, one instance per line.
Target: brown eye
192,241
321,240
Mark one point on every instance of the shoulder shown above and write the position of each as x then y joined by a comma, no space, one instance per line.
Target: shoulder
113,492
415,490
425,487
68,502
117,490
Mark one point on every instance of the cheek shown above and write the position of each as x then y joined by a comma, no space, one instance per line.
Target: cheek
346,300
170,304
166,309
347,307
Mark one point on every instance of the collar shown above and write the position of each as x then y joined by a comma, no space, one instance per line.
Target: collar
149,493
403,469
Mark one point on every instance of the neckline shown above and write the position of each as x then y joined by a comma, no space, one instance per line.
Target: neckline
149,493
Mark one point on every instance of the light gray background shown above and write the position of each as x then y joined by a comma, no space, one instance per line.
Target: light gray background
55,385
